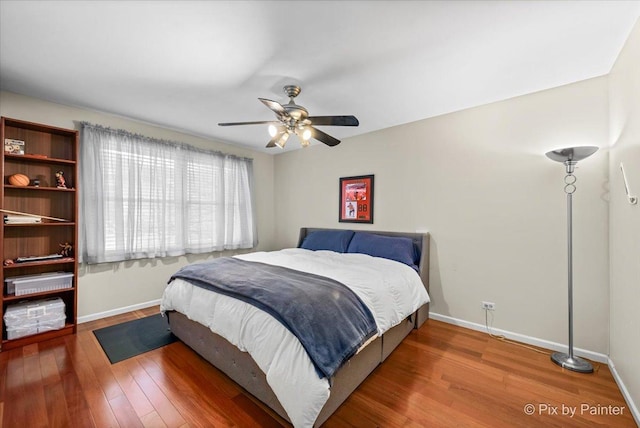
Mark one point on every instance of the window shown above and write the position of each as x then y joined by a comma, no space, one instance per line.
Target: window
146,198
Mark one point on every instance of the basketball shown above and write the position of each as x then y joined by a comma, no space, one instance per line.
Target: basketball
19,180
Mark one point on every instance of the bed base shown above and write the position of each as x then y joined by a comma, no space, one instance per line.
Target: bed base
240,367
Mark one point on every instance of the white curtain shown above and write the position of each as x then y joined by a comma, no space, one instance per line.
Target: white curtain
144,198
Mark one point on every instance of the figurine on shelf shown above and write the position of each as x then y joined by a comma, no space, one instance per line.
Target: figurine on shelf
60,182
8,262
66,250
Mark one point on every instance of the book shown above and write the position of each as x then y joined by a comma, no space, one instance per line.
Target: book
38,258
21,219
13,147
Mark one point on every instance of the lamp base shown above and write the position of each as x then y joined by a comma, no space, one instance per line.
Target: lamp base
576,364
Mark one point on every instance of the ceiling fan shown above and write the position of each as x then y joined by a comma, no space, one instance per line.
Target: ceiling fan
294,119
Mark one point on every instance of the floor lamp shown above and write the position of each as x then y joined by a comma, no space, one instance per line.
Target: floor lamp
570,157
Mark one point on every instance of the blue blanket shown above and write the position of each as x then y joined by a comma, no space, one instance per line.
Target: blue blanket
327,317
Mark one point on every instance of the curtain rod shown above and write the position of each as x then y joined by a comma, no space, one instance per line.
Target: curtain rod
161,140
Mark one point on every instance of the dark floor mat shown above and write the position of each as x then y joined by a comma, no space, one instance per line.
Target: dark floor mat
131,338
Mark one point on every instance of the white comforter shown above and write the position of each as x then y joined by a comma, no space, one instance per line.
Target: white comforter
390,289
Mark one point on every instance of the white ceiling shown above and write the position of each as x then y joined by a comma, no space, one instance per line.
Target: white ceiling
187,65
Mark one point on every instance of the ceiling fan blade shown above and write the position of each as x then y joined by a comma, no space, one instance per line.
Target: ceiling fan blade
262,122
324,137
334,120
276,107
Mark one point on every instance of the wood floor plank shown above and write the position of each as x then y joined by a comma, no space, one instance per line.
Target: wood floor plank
90,396
197,410
36,410
78,402
223,384
152,420
367,412
124,412
206,378
48,367
246,412
66,402
139,401
15,413
57,407
441,376
61,353
164,407
4,359
100,365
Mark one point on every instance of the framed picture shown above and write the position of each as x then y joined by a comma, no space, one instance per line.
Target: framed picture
13,147
356,199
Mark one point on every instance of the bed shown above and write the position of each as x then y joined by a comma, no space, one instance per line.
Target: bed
266,359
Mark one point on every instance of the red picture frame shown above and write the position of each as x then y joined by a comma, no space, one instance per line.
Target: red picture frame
356,199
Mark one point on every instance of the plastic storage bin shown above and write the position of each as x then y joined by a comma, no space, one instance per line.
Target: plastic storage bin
36,316
28,284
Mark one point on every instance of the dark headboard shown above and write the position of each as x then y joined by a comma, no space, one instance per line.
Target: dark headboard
420,240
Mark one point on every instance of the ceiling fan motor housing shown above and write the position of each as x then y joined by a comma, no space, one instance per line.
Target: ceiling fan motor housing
292,91
296,113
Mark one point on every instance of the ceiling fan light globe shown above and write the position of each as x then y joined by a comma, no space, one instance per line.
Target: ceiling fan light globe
272,130
283,140
306,134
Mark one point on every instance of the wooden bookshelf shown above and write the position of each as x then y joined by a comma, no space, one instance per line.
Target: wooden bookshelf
47,149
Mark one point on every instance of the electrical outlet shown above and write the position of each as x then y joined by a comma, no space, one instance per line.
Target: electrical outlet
489,306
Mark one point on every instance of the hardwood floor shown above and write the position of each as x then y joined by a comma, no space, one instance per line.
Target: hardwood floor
440,376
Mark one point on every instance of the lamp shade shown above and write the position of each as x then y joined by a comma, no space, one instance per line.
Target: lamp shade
572,154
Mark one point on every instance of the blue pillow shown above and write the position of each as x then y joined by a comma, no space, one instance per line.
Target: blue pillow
395,248
332,240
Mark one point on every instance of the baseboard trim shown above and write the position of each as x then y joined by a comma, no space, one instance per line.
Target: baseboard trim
625,392
593,356
118,311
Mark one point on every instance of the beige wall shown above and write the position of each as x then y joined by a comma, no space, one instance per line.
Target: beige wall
624,219
113,286
478,180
